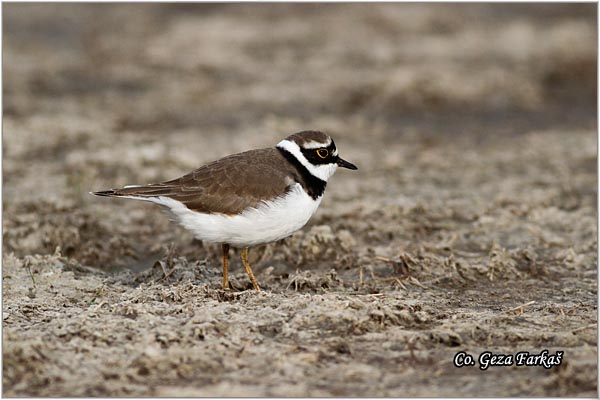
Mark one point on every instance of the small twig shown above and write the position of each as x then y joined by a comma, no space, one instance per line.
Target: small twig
373,277
170,272
411,348
360,276
164,270
401,265
28,265
415,282
99,306
583,328
521,307
399,282
162,266
166,274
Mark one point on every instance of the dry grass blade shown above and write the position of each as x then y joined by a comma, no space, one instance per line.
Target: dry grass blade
28,266
361,277
401,264
519,309
583,328
416,282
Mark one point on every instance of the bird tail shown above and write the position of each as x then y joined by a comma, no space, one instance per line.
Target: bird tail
107,193
137,192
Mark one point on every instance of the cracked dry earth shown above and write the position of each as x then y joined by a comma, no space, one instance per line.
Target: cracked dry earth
469,226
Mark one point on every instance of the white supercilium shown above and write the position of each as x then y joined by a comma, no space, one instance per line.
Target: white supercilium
315,145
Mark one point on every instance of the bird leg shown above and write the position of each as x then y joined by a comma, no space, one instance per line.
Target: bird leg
225,250
244,256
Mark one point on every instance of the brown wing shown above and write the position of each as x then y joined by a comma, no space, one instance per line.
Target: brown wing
227,186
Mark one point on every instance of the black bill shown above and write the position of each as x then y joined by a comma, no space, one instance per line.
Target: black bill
345,164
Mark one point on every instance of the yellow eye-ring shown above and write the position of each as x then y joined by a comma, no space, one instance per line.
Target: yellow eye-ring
323,153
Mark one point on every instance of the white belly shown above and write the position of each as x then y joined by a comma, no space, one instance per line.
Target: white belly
266,223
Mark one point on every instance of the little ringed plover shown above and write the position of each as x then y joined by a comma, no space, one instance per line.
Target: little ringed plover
246,199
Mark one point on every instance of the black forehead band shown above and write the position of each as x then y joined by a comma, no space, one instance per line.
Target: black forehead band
330,148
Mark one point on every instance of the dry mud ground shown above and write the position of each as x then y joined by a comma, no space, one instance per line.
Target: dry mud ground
470,225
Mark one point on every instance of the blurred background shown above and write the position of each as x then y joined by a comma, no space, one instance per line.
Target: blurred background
440,68
474,129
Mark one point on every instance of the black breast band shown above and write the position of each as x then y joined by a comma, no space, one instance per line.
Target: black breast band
315,187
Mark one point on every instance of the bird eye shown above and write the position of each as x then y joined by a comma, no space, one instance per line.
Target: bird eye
323,153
